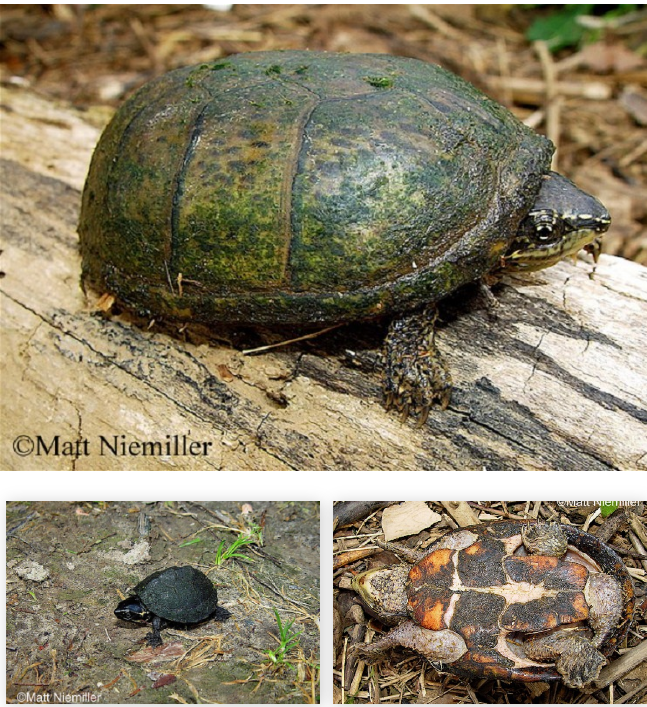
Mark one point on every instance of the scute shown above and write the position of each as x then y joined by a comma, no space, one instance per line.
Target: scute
546,613
303,187
476,618
435,568
429,605
549,571
480,564
180,594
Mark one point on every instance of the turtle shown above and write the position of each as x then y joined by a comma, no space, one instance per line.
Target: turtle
309,189
510,600
175,595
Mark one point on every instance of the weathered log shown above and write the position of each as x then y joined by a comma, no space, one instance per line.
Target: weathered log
557,379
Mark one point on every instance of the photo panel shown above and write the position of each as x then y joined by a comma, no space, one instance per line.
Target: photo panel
488,602
138,602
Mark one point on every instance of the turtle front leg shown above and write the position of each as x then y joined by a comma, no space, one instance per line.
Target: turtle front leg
445,646
415,374
576,658
154,638
403,552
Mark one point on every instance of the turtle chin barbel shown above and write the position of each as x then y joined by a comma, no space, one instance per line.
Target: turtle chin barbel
310,188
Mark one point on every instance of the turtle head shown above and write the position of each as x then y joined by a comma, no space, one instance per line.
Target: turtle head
562,221
383,591
132,609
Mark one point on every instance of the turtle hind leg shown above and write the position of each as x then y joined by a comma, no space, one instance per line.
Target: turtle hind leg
576,658
604,596
445,646
580,665
415,375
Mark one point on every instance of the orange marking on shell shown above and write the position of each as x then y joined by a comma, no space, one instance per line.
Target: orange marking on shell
483,658
415,575
543,562
580,608
575,573
432,617
430,565
551,621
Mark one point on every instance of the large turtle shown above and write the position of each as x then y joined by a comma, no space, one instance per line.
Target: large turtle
512,600
311,188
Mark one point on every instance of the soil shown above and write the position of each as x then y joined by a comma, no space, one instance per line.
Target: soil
69,564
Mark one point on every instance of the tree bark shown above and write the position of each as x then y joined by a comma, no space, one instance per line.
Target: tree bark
555,380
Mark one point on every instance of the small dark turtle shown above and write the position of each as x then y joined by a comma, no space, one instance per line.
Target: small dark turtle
312,188
509,600
177,595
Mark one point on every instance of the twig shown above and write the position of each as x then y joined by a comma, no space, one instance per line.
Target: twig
286,342
533,91
553,99
420,12
19,525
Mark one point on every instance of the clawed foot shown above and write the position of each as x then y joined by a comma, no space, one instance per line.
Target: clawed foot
154,640
580,665
576,658
415,374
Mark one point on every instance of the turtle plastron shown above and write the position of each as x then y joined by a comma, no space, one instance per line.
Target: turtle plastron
479,604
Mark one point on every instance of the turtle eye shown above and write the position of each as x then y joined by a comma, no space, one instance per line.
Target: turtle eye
545,233
548,231
546,226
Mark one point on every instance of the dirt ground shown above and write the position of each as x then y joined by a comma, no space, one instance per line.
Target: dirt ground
69,564
404,676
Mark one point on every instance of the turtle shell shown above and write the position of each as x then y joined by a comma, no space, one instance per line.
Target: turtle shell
303,187
475,570
179,594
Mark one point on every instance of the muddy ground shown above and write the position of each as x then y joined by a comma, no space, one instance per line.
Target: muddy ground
69,564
